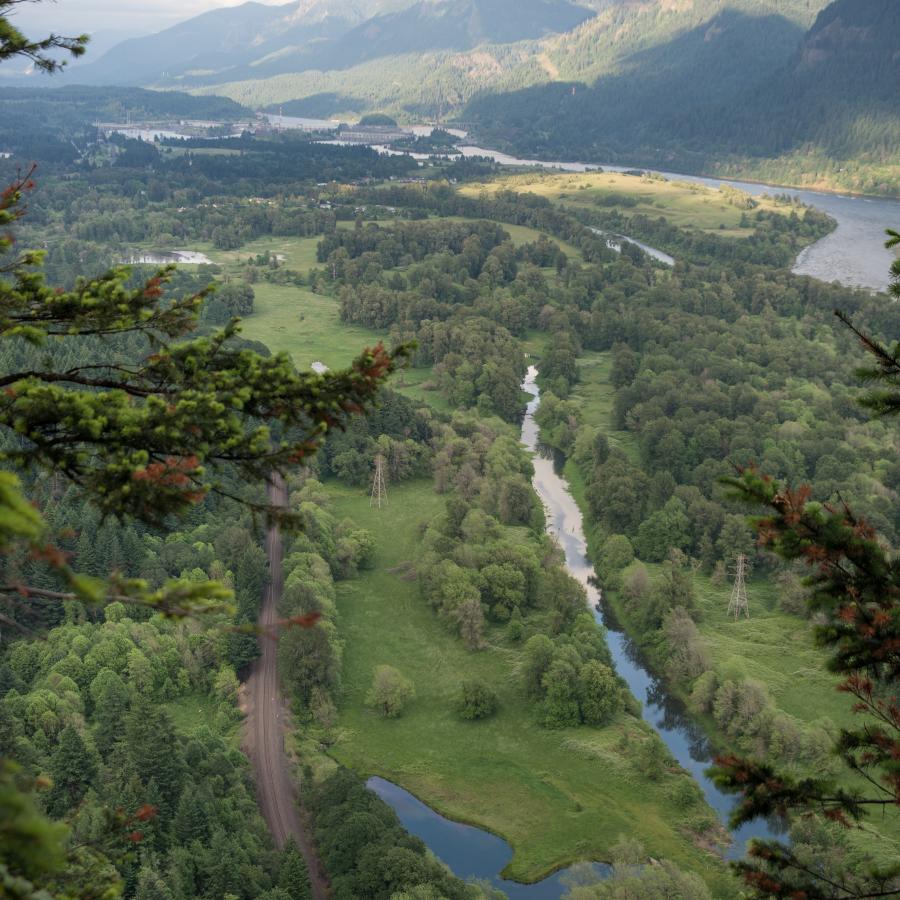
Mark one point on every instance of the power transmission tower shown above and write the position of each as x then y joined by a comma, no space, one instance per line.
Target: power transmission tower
738,605
379,489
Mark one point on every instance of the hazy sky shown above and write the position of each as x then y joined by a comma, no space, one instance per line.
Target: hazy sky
131,16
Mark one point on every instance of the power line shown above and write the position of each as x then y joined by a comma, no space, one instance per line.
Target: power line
738,604
379,488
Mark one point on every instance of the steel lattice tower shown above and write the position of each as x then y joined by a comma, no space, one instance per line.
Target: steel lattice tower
738,605
379,489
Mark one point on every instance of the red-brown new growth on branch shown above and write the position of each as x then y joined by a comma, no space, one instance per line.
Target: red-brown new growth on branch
173,472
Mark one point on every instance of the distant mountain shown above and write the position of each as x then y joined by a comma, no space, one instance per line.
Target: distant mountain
214,42
732,94
254,41
642,87
840,89
800,90
459,25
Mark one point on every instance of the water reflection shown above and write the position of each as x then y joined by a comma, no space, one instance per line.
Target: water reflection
685,739
470,852
473,853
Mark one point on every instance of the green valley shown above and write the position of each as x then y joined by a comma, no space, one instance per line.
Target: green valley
382,520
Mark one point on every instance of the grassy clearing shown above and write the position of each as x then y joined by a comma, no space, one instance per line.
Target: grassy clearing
595,395
297,253
419,385
308,327
197,711
305,325
681,203
556,796
200,151
772,647
293,319
522,234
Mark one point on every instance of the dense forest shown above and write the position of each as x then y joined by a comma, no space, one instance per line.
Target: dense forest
724,362
420,608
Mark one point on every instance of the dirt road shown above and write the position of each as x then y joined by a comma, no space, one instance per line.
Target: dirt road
264,726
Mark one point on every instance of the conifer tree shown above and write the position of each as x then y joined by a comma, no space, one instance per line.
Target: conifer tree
13,43
110,698
293,875
72,768
154,752
149,438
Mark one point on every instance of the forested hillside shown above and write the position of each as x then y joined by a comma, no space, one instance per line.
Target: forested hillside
213,48
656,47
794,92
707,100
59,126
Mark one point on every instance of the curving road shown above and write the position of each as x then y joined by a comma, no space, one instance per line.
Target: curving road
265,723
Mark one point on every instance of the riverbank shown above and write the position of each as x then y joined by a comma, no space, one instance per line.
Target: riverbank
556,796
853,254
773,650
737,172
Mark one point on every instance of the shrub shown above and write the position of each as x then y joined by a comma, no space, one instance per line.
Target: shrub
703,695
475,700
599,693
390,692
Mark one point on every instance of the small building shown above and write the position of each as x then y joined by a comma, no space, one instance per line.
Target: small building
373,134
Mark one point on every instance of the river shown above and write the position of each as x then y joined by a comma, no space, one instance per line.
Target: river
853,254
472,852
685,740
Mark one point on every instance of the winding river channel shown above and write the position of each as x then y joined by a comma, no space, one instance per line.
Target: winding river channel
471,852
685,740
853,255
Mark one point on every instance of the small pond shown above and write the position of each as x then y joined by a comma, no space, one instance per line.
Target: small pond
468,851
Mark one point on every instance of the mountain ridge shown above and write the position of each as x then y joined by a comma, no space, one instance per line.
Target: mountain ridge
715,86
258,41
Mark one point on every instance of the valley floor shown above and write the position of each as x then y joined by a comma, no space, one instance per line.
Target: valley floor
772,647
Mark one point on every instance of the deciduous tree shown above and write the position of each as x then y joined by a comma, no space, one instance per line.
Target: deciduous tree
854,585
390,692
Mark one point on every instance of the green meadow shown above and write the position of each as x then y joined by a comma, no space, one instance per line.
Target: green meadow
772,647
305,325
557,796
295,320
681,203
